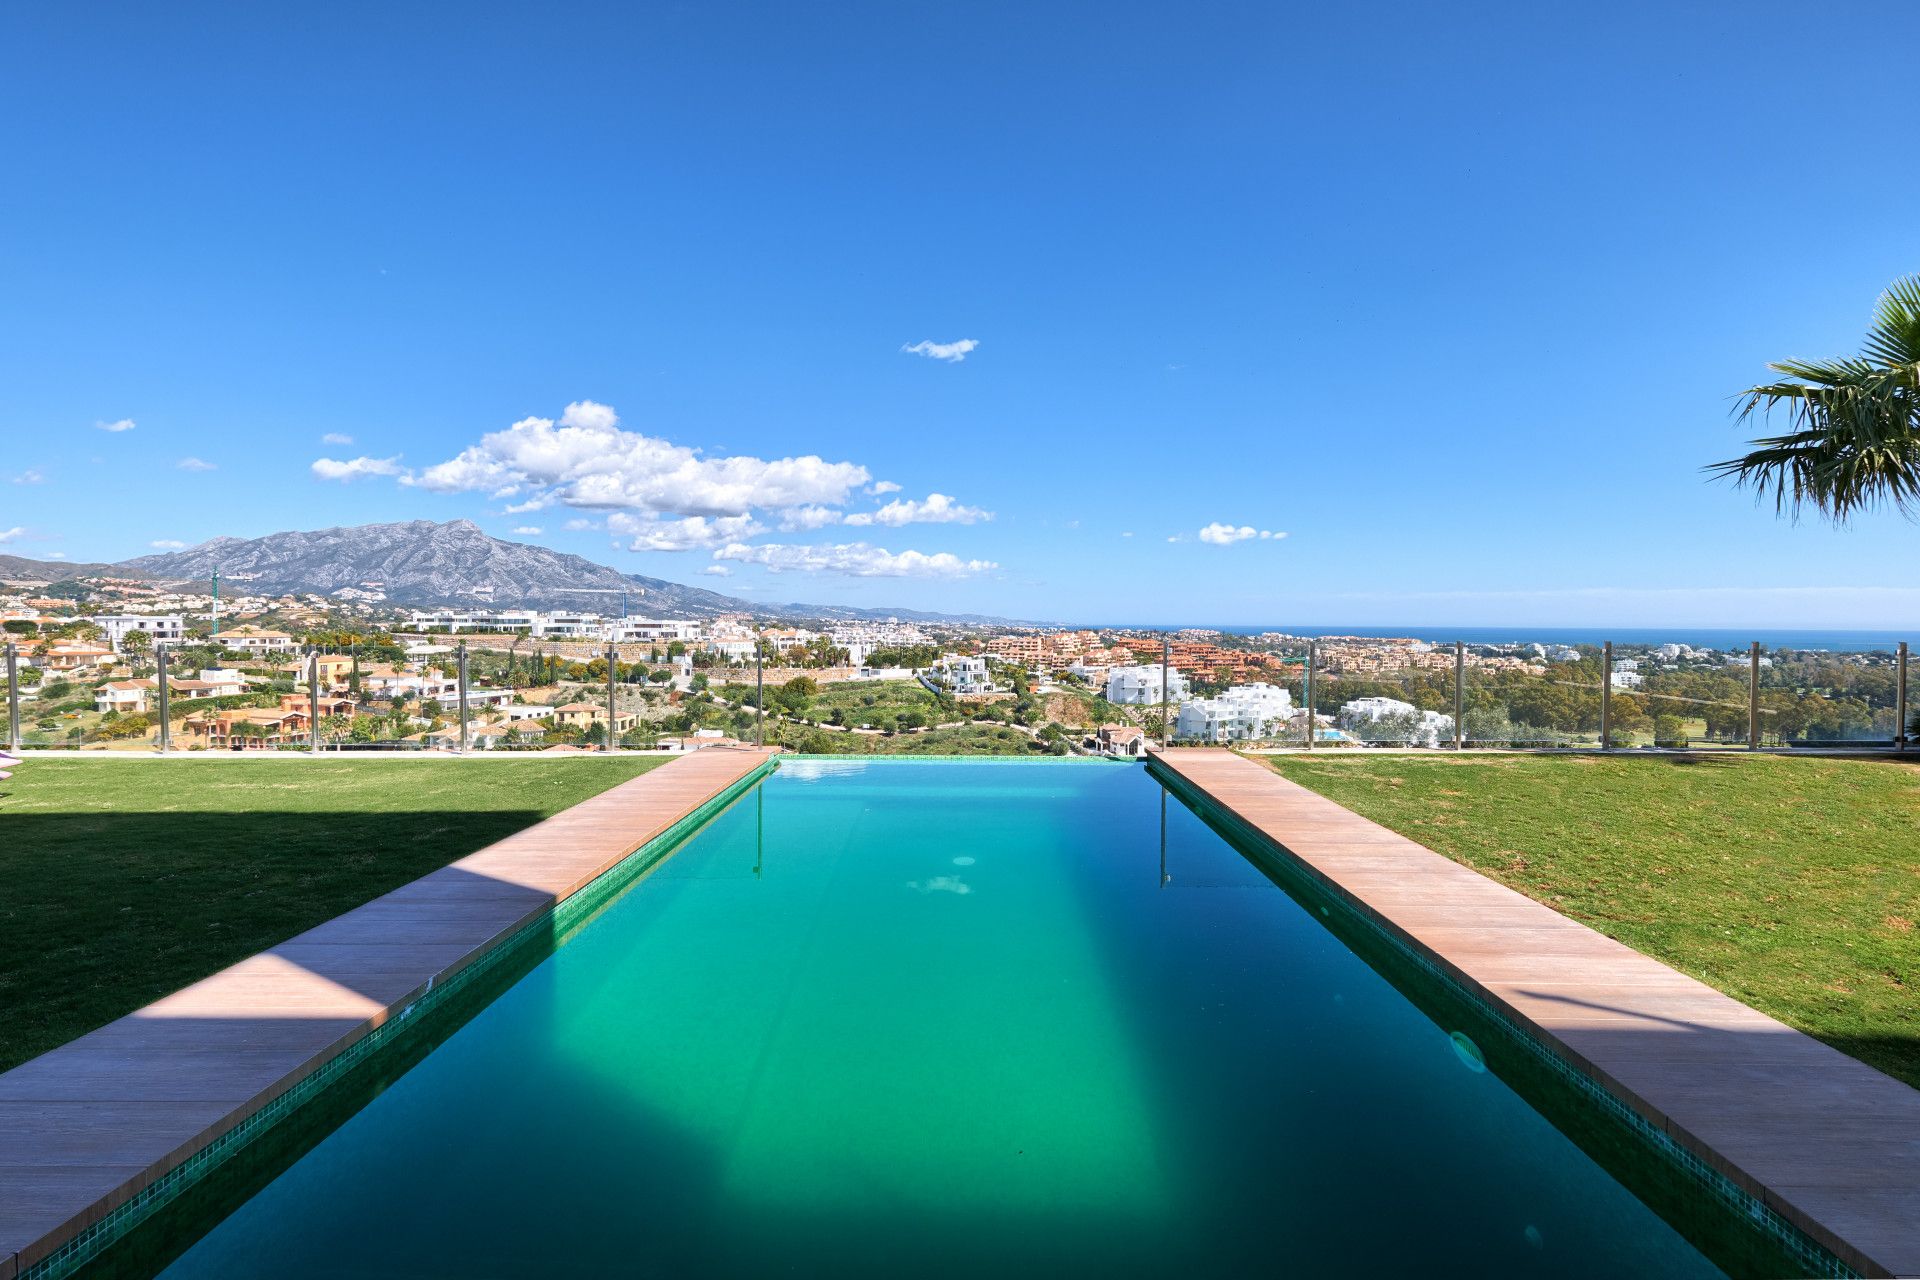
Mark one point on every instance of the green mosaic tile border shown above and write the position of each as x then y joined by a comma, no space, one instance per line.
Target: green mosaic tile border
555,925
1815,1258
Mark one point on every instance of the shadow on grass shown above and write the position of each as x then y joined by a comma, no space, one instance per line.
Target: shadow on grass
106,912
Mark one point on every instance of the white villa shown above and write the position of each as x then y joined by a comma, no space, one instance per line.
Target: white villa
125,696
1243,713
1140,685
961,674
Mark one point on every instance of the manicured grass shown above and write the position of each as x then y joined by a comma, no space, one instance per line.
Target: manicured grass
1791,885
121,881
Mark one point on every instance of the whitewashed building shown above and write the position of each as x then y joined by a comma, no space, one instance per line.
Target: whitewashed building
121,695
1140,685
1243,713
653,630
161,628
254,640
962,674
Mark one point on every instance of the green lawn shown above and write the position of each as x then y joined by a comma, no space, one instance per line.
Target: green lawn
1791,885
121,881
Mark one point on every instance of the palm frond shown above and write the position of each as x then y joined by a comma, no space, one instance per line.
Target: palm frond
1894,340
1853,439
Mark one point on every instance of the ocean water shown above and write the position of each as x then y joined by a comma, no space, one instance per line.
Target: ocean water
1725,639
948,1019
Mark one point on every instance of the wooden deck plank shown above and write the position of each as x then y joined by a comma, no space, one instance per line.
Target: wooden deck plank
85,1127
1828,1142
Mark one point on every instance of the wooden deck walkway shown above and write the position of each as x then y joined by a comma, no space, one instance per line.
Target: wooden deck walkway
89,1125
1830,1144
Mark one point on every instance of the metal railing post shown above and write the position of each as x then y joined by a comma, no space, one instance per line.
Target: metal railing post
613,697
161,682
1459,694
460,663
1606,696
1753,696
313,700
1307,690
1166,660
1900,737
759,695
13,696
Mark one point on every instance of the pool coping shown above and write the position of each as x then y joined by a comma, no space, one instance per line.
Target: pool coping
1820,1139
87,1129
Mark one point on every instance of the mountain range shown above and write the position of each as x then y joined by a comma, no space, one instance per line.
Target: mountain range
424,563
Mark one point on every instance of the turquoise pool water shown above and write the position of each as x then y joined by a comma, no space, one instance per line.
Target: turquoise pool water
902,1018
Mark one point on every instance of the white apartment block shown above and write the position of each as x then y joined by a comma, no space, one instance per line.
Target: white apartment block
1094,673
1141,685
653,630
254,640
161,628
1244,713
1628,679
533,622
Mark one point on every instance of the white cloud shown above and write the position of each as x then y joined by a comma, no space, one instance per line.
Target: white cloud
1225,535
855,559
335,437
718,571
56,555
116,426
354,468
880,487
952,352
196,464
1127,534
937,509
530,530
587,460
580,522
31,475
807,519
166,544
692,533
8,535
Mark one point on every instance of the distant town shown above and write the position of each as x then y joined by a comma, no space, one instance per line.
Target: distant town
349,671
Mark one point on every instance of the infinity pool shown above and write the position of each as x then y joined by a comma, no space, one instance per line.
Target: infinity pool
905,1018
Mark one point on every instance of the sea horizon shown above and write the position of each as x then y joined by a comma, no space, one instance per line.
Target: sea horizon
1837,640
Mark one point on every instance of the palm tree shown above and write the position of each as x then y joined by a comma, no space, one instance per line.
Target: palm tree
1854,441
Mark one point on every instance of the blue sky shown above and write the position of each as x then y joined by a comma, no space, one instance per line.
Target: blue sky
1453,299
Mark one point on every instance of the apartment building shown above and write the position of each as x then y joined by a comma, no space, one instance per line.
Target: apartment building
161,628
1141,685
1243,713
251,639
